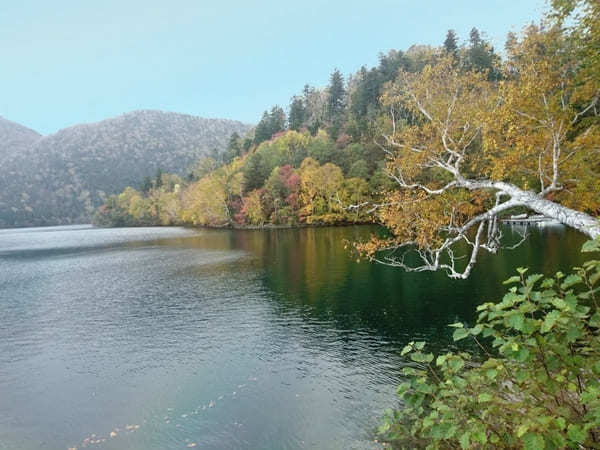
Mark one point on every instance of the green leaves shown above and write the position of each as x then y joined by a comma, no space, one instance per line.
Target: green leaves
526,389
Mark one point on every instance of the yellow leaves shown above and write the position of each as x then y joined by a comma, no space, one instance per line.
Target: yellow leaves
319,187
252,208
205,202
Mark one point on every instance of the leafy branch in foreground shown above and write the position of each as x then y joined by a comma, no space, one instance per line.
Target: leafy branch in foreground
538,385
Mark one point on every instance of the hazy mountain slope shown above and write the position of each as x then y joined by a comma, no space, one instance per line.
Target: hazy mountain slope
62,177
14,139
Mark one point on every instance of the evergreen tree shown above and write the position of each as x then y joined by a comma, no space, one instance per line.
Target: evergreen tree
475,37
146,184
234,148
277,120
262,132
336,95
451,42
158,178
298,114
480,55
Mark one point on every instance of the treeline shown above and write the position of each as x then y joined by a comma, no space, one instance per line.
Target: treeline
291,179
309,166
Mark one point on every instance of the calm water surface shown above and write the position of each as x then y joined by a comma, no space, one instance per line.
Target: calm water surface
225,339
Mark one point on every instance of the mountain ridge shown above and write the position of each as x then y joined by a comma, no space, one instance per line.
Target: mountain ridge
61,177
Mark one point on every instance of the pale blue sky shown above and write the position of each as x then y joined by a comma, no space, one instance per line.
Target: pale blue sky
69,61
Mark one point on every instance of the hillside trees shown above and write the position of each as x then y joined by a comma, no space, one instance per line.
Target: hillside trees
272,122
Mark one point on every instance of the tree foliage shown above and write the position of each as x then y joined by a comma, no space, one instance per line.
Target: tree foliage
464,149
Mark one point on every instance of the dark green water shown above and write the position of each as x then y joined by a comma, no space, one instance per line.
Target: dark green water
223,339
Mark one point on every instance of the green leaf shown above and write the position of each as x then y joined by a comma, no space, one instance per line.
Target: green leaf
460,333
456,325
513,279
515,321
479,436
533,278
483,398
591,246
533,441
522,430
549,321
576,433
421,357
477,329
465,440
547,283
559,303
571,280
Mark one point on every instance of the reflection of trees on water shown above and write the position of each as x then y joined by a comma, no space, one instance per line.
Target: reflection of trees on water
311,269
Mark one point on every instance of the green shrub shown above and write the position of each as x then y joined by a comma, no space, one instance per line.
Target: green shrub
534,384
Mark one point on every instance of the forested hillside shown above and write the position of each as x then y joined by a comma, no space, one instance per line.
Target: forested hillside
63,177
310,164
435,143
15,139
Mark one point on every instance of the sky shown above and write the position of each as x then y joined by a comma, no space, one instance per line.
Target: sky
64,62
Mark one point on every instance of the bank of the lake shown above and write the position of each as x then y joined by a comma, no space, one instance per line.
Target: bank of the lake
222,338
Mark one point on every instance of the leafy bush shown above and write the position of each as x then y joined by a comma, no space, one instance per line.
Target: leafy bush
535,383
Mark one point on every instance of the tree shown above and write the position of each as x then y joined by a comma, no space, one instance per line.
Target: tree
297,115
336,95
451,42
263,132
272,122
481,149
205,202
234,148
252,208
480,55
277,119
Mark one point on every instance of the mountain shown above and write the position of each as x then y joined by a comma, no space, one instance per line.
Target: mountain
15,138
61,178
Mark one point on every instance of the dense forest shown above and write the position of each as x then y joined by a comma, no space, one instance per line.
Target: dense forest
63,177
311,165
433,142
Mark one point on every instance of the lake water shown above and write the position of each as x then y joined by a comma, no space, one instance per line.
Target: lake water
223,339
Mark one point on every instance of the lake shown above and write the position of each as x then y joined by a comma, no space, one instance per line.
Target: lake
170,337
